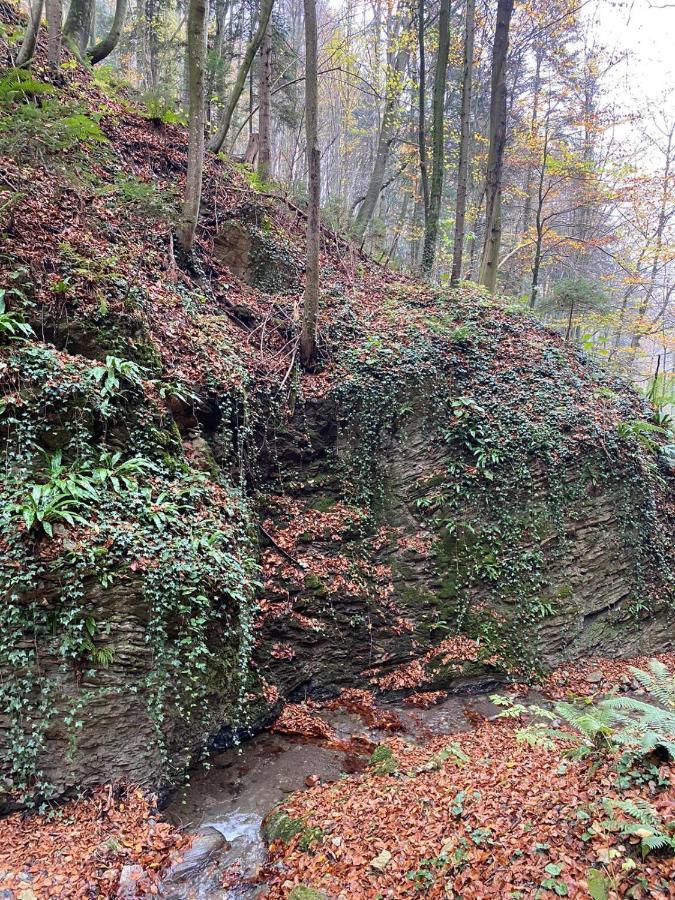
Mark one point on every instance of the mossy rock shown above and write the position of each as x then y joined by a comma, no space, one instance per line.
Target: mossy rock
302,892
279,826
313,583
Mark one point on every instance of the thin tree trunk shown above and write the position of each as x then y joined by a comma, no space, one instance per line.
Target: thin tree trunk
78,24
421,128
196,52
218,140
54,24
464,143
384,141
264,102
438,139
497,140
106,46
27,48
309,317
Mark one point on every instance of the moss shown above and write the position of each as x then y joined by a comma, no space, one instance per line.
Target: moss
323,503
383,761
313,583
302,892
281,827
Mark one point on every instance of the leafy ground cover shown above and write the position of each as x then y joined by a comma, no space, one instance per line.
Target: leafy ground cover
487,815
81,849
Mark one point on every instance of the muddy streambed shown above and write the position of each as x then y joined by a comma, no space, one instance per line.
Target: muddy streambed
227,799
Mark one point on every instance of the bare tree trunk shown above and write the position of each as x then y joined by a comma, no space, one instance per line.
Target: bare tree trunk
27,48
464,143
264,103
309,316
421,128
438,139
384,141
497,140
105,47
196,52
78,24
54,24
218,140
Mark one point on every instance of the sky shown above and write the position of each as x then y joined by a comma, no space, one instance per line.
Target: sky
646,30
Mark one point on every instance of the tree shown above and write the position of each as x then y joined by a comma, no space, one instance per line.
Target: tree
54,24
309,316
497,140
421,127
78,24
264,101
464,143
106,46
218,140
27,48
396,66
196,51
438,139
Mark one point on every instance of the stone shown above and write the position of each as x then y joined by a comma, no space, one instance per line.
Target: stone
200,852
595,677
128,883
381,861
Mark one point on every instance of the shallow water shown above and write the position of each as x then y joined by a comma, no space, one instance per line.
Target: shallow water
237,788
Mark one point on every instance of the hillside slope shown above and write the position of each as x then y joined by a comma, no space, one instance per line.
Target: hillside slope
193,530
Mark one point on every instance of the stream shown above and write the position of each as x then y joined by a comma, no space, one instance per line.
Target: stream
226,800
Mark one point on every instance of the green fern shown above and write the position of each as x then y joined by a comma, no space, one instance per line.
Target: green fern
644,823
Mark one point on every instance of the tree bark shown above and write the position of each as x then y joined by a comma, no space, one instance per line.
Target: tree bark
438,139
218,140
54,25
421,128
309,316
106,46
464,143
196,52
497,140
384,141
264,103
78,24
27,48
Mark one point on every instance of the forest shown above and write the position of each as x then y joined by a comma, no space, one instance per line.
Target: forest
337,508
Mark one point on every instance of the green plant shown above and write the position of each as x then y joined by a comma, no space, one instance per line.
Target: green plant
46,131
383,761
161,109
102,656
642,822
10,324
121,473
20,84
642,432
114,377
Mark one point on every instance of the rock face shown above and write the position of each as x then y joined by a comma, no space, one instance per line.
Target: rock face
193,531
508,511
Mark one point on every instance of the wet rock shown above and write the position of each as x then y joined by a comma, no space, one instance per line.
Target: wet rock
129,879
200,853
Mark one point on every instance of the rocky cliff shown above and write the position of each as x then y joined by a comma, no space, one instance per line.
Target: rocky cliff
192,529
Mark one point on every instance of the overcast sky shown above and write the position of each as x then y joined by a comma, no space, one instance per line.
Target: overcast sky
646,29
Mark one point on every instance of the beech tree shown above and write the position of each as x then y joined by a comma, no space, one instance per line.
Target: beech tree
105,47
464,143
196,50
27,48
497,141
218,140
438,139
309,315
264,105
